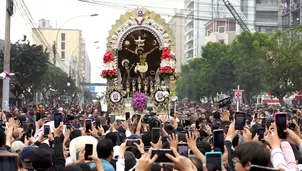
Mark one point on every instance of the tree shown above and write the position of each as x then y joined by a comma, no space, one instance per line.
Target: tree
282,65
53,84
29,63
246,52
205,77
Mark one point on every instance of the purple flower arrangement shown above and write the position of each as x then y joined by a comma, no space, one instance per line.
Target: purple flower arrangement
139,101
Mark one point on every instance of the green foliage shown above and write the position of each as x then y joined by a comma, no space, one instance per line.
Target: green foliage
208,75
29,63
256,61
282,74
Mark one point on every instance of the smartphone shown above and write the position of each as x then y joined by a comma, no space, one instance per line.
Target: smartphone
226,129
261,168
24,126
183,150
218,140
57,119
46,131
239,120
112,119
161,155
88,125
214,161
260,133
97,122
263,122
155,134
127,114
172,112
68,126
256,115
130,142
197,124
38,116
281,123
88,151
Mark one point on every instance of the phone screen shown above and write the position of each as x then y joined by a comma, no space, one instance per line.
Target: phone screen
112,119
263,122
46,130
68,126
88,151
218,140
38,116
57,119
239,121
130,142
260,133
155,134
88,124
213,161
24,126
281,120
8,162
127,115
98,123
161,155
197,124
172,112
183,149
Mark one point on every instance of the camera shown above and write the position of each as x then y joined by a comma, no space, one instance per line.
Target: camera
152,120
226,102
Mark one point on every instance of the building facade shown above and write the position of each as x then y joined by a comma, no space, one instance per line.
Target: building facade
70,48
290,13
177,24
1,45
87,69
220,30
197,14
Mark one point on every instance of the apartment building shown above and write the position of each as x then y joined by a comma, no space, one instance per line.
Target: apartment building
70,48
221,30
197,14
87,73
177,24
290,13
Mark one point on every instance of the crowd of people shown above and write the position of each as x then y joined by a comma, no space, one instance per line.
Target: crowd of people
85,139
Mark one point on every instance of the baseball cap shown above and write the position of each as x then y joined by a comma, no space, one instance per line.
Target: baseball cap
17,146
26,154
42,158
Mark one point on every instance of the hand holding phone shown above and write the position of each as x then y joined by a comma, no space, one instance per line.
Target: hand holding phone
260,133
218,140
46,131
155,135
88,151
183,149
239,120
214,160
57,119
281,124
161,155
88,125
131,142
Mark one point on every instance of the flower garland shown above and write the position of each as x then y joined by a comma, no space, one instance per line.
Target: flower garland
139,101
167,65
109,72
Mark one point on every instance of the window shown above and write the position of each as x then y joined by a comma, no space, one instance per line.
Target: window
63,55
221,29
221,41
210,31
63,45
62,37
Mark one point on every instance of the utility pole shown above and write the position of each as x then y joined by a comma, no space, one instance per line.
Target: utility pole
6,63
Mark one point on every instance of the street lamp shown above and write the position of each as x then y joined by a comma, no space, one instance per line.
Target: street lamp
68,84
55,43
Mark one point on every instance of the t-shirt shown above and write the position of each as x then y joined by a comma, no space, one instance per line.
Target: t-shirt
106,166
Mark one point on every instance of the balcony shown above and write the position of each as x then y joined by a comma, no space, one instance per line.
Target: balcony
189,21
187,31
267,7
188,39
189,50
295,6
189,2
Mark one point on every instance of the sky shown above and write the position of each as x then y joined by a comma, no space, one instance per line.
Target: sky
93,28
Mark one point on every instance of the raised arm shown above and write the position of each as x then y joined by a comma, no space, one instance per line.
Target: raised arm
129,50
147,53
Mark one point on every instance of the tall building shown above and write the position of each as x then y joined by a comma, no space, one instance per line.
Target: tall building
70,48
263,15
290,13
1,45
87,69
220,30
177,24
197,14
